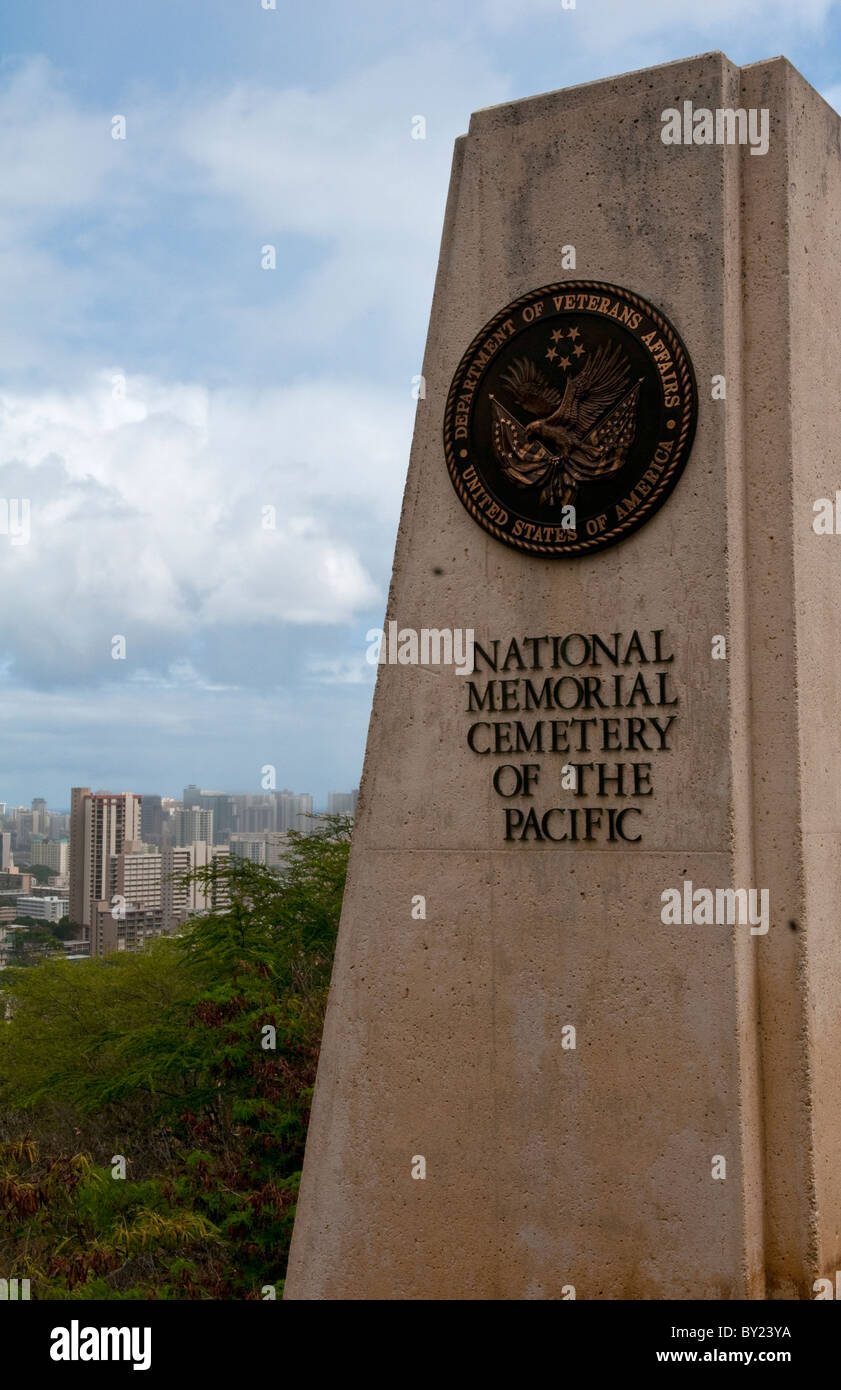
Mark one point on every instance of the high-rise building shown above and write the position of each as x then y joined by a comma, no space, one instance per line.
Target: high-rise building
79,886
254,812
193,823
100,824
136,874
122,928
221,804
342,803
25,823
6,860
293,811
184,900
269,847
54,853
59,825
176,861
150,897
152,819
180,899
251,846
168,808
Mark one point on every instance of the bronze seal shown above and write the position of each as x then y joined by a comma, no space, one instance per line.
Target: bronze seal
570,418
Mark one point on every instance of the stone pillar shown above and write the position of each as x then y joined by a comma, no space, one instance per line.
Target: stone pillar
689,1143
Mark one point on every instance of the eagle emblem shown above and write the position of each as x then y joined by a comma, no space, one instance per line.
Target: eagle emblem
580,436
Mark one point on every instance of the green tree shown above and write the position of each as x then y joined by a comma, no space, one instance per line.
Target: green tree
195,1059
42,873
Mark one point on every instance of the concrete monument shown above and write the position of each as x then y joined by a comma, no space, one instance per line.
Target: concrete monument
584,1029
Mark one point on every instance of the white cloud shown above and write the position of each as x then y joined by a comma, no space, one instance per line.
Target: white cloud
53,156
55,163
354,670
148,512
94,233
340,166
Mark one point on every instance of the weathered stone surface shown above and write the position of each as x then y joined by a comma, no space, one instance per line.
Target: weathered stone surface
546,1167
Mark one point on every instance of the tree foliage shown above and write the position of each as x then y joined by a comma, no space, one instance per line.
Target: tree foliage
194,1061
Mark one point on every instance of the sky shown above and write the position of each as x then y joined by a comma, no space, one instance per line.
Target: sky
162,389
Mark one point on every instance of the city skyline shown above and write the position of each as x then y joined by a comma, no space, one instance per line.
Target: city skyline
320,806
121,868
